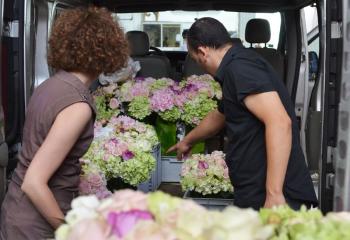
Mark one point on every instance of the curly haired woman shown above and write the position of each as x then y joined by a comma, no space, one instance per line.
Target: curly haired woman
59,123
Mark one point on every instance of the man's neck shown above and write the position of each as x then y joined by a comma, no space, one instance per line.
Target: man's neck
219,56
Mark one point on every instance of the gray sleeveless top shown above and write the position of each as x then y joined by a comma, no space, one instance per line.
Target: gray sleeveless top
18,215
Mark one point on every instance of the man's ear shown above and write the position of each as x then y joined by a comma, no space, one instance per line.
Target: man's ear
202,51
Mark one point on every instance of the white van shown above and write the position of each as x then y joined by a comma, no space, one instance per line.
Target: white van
309,46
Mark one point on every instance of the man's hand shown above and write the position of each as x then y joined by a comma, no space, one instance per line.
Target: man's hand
213,123
183,149
274,200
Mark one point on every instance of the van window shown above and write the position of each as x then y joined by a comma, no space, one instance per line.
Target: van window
311,18
165,28
312,28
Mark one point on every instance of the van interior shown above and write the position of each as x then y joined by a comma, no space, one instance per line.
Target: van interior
304,40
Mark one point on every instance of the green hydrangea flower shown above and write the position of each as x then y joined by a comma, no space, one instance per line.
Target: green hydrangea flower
160,84
140,108
196,109
138,169
104,112
171,115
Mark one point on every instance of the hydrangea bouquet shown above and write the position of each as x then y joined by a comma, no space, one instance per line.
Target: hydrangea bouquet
129,215
306,224
201,94
136,94
189,101
123,149
206,174
116,159
168,102
146,95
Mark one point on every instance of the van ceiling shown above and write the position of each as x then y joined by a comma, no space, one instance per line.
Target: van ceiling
202,5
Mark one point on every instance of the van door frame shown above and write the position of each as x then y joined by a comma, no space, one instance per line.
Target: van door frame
3,144
331,52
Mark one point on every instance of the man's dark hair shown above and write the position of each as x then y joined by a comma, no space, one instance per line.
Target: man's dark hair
207,32
184,33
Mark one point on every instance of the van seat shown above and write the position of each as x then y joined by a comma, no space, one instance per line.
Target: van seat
258,31
152,65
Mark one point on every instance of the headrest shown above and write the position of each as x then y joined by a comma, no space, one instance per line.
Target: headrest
258,31
138,43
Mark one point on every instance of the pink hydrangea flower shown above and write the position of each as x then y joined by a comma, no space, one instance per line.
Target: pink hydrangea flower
140,89
84,187
114,103
125,200
199,84
103,193
203,165
162,100
123,121
180,100
93,182
115,147
123,222
96,180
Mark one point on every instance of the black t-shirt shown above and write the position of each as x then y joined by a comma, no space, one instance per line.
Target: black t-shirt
243,72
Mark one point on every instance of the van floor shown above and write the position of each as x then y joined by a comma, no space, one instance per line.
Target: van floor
173,189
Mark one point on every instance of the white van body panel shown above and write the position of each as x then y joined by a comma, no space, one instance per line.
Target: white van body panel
342,156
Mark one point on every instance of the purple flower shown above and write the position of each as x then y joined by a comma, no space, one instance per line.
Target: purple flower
191,87
203,165
127,155
122,223
176,89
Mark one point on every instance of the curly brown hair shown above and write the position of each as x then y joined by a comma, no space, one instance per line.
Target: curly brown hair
87,40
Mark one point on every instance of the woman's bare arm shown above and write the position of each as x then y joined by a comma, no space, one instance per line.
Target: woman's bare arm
63,134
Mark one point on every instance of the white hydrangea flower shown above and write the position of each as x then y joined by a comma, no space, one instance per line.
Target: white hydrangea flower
82,208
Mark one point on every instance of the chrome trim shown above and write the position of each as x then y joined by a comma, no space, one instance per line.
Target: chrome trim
302,97
321,90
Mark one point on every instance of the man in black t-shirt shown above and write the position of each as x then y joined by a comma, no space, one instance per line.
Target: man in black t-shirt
266,163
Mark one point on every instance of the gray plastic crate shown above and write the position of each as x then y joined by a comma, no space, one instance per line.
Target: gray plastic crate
171,169
210,202
156,177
